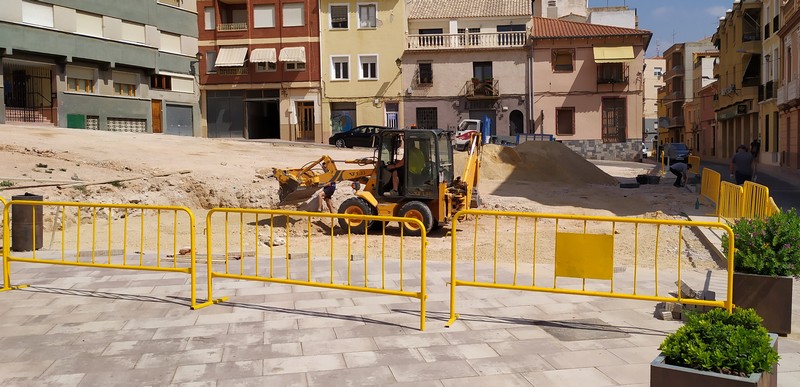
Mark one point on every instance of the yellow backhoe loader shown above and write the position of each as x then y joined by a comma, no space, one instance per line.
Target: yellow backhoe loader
428,189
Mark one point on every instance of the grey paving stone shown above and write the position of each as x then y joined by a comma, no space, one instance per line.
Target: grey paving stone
521,347
367,330
586,345
110,337
382,358
628,373
510,380
578,377
261,351
207,383
165,322
93,326
457,352
582,359
55,352
142,347
287,380
238,316
224,340
8,355
636,355
29,330
329,321
290,365
479,336
171,359
73,365
26,369
190,331
70,380
509,364
354,344
225,370
360,310
419,383
529,333
430,371
134,377
369,376
410,341
299,335
261,326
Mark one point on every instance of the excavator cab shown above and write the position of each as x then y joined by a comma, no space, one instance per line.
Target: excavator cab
427,162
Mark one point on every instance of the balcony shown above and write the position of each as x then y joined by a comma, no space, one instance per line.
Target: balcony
769,90
476,89
674,72
464,41
232,70
675,96
675,121
787,95
224,27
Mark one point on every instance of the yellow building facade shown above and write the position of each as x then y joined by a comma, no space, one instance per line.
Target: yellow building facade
360,63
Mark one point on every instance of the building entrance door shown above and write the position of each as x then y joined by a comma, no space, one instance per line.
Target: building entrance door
305,121
157,118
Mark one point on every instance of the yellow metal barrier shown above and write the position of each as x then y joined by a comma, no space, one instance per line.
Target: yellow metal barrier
80,232
709,186
578,255
663,164
315,249
695,162
772,208
3,231
731,197
756,200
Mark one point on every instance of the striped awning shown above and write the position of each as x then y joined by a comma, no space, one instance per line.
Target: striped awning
231,57
263,55
613,54
293,54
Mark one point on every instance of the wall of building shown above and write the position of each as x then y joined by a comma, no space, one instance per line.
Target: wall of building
614,16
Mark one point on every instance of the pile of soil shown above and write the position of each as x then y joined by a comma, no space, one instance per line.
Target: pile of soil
537,161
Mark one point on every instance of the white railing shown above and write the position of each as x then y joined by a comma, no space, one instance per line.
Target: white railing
782,93
466,40
232,27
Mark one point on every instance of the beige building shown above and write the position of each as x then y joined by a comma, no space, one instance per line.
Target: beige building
787,134
770,76
653,80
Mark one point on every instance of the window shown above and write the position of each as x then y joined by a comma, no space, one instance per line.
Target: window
563,60
482,71
125,89
658,72
367,16
211,60
266,66
133,32
293,15
565,121
369,66
340,16
210,19
294,66
436,40
614,120
511,35
425,70
37,13
80,85
610,73
427,118
170,43
340,68
264,16
161,82
89,24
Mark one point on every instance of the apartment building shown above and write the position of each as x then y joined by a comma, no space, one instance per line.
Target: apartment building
123,66
260,71
654,69
468,62
702,75
787,134
361,63
770,76
588,85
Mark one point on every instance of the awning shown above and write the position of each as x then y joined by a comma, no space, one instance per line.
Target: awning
293,54
613,54
263,55
231,57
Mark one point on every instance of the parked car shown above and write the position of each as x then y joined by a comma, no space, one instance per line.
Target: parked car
677,152
363,136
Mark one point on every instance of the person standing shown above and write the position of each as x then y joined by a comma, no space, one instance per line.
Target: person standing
326,195
681,172
743,165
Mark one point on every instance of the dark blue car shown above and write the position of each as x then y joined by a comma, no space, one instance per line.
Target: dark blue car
363,136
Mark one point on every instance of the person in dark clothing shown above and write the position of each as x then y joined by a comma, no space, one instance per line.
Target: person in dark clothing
680,170
326,195
743,165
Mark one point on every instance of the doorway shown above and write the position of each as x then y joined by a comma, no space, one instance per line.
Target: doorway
263,119
516,123
490,114
155,106
28,92
305,121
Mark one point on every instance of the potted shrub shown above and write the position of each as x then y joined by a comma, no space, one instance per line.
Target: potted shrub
718,349
766,258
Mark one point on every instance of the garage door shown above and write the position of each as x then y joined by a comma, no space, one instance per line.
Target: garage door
179,120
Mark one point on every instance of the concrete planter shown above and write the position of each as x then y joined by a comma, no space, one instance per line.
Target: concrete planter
665,375
771,297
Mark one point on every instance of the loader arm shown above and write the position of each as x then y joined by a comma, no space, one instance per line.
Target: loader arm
299,184
469,179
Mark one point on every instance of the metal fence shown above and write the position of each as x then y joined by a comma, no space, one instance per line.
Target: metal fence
618,257
112,236
756,200
730,202
316,249
709,186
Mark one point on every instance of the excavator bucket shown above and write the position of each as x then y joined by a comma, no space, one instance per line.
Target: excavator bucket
292,193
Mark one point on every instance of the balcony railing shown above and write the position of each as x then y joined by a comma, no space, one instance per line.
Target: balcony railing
466,40
231,27
674,71
675,121
232,70
769,90
489,88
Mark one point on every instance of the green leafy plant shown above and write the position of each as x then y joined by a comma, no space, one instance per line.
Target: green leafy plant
733,344
768,246
6,183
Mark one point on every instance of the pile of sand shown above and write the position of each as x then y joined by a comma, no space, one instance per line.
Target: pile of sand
537,161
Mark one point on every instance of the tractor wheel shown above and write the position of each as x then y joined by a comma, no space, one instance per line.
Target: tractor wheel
416,210
355,206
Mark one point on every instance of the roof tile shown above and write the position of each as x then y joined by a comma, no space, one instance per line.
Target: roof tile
544,28
444,9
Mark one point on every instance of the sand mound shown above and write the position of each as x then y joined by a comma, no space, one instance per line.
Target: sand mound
537,161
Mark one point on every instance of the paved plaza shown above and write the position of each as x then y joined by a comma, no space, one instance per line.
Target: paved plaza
78,326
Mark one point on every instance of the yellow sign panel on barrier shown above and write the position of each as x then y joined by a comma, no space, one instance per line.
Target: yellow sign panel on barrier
584,255
619,257
112,236
316,249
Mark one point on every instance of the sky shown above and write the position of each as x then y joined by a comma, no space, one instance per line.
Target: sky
673,21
